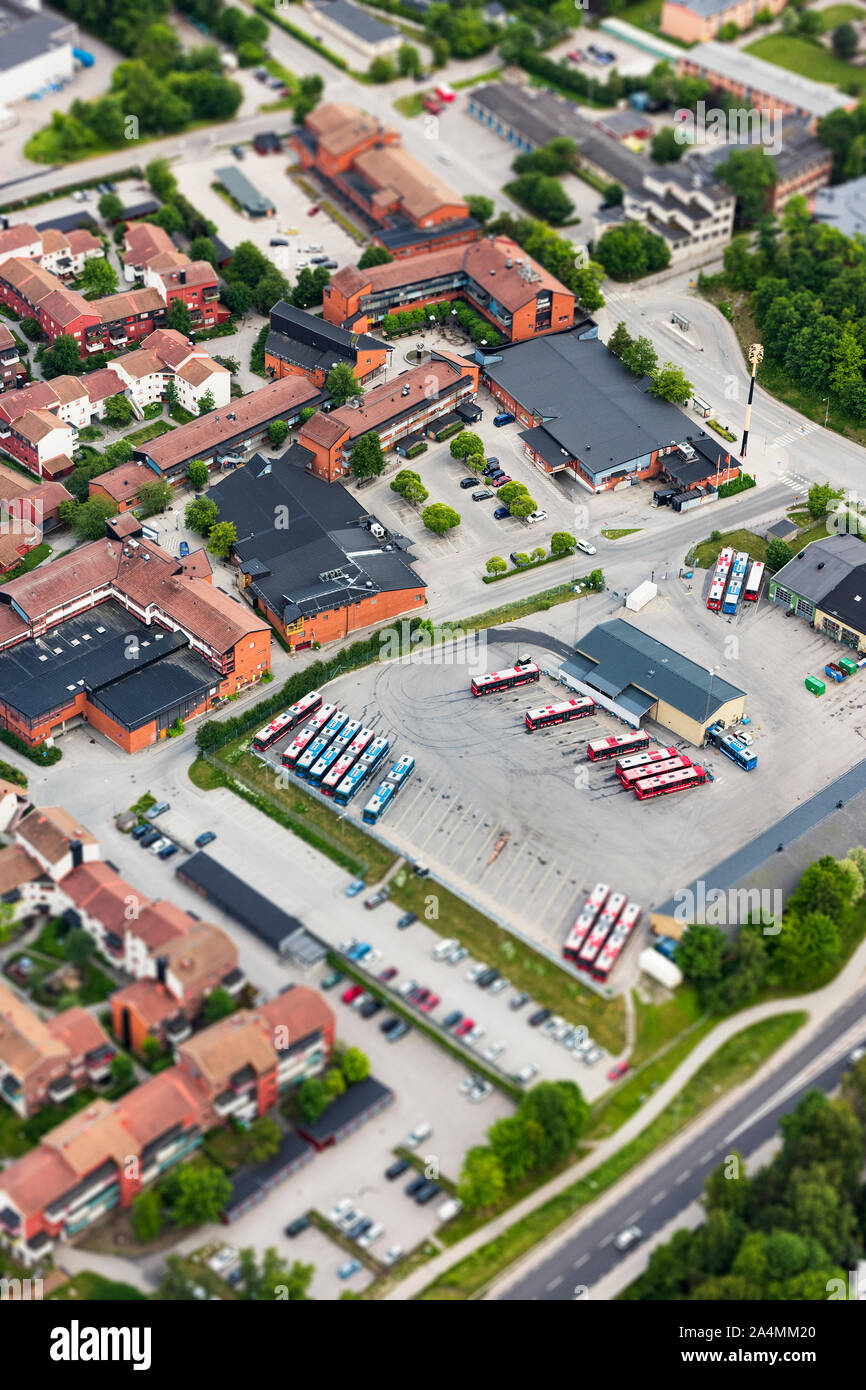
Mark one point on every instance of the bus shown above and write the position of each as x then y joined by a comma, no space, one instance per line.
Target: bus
323,764
347,733
640,774
573,943
335,725
599,748
753,583
641,759
377,750
732,597
521,673
351,783
401,771
723,564
346,760
379,802
738,753
289,719
597,899
616,942
716,594
679,781
741,564
612,908
559,714
306,736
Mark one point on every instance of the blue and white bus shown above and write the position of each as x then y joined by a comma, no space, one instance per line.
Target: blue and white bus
732,597
374,755
401,771
379,802
738,753
351,783
324,763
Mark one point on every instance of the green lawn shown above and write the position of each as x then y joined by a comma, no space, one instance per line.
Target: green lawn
706,553
87,1287
808,59
148,432
840,14
33,558
411,105
615,533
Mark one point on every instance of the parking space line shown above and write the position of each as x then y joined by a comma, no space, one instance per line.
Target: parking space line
447,810
457,824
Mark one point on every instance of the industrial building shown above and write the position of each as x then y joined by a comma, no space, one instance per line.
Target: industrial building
825,583
270,923
36,49
250,200
356,27
636,677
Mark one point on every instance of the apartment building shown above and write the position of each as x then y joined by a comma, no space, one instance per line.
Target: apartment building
756,83
300,344
167,355
697,21
45,1063
11,370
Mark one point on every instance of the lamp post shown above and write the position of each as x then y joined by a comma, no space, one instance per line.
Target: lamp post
756,356
827,410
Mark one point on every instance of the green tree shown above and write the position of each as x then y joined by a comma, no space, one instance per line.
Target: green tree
613,194
153,497
248,264
778,554
523,506
151,1050
198,1194
272,1279
510,493
846,376
439,518
562,543
824,887
368,460
206,402
278,432
62,358
594,581
309,90
408,60
201,514
806,948
513,1147
342,383
334,1083
161,180
640,357
700,954
630,251
265,1137
481,208
30,328
372,256
98,278
665,148
122,1070
620,340
146,1216
118,410
558,1111
544,195
221,538
198,475
110,207
381,70
172,399
820,497
238,298
201,248
466,443
88,518
670,384
355,1065
520,558
178,317
496,565
845,41
482,1181
751,175
218,1004
313,1099
175,1285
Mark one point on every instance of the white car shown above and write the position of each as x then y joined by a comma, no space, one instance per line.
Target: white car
407,987
468,1084
493,1051
552,1025
222,1259
361,1000
347,945
449,1209
474,971
587,547
370,959
559,1034
301,263
391,1256
536,516
457,956
475,1035
594,1055
345,1204
481,1092
499,985
374,1233
349,1218
159,844
627,1238
526,1074
858,1054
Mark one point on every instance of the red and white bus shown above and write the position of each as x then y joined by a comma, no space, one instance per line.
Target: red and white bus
633,775
716,594
520,674
597,899
573,943
641,759
600,748
723,564
559,714
289,719
616,942
317,722
349,756
753,583
679,781
612,908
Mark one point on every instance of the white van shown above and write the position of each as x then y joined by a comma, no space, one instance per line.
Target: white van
444,948
419,1134
314,246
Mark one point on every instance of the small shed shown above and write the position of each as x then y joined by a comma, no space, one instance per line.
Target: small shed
659,968
784,530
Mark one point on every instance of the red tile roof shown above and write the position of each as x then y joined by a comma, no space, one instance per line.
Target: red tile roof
200,437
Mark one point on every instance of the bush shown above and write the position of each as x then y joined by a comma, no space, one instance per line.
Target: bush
39,753
741,484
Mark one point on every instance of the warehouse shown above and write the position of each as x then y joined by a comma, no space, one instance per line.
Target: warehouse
240,901
636,678
238,186
826,584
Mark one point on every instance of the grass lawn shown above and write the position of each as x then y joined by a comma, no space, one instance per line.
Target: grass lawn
30,561
228,1147
840,14
706,553
148,432
614,533
47,940
411,105
87,1287
808,59
645,14
732,1063
182,416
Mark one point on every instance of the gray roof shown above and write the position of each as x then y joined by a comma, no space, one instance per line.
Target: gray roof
27,36
628,665
358,22
843,206
821,566
782,530
240,188
706,8
765,79
306,341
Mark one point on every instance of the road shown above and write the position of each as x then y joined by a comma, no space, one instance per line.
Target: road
587,1256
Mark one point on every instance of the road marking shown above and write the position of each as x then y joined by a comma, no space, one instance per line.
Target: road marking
703,1158
682,1177
582,1261
659,1197
634,1216
607,1240
555,1283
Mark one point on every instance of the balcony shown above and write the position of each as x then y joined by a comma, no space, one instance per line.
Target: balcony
210,296
230,1101
118,337
61,1089
177,1030
96,345
9,359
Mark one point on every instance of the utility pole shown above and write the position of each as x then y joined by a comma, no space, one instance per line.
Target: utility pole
756,356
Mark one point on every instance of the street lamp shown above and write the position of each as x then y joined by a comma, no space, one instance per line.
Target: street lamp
827,410
756,356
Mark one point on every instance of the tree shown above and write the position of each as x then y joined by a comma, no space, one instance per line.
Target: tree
482,1181
778,554
309,288
151,1050
198,474
544,195
630,251
334,1083
178,317
201,248
172,399
30,328
278,432
510,493
122,1070
466,443
221,538
218,1004
98,278
309,90
619,340
409,486
640,357
206,402
153,497
520,558
198,1194
238,298
272,1279
342,383
439,518
408,60
110,207
355,1065
248,264
175,1285
146,1215
496,565
481,208
62,358
562,543
700,954
665,148
825,887
523,506
265,1138
820,497
751,175
88,518
201,514
368,459
118,410
381,70
313,1099
372,256
161,180
669,384
613,194
845,41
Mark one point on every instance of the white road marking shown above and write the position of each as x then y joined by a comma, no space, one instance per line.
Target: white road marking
582,1261
607,1240
682,1177
555,1283
659,1197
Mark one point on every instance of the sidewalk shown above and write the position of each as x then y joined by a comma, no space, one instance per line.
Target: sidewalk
819,1006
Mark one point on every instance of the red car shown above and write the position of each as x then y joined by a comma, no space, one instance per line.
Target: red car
430,1003
351,994
311,212
500,482
418,996
388,973
465,1027
616,1072
574,56
432,105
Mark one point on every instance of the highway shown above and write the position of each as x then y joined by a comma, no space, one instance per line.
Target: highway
589,1254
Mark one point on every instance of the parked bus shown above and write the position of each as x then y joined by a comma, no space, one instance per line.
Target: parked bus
306,736
289,719
597,899
351,783
371,759
642,759
612,908
347,733
723,564
521,673
313,752
379,801
732,597
616,942
679,781
335,724
716,594
599,748
753,583
741,564
329,757
601,931
562,713
633,775
737,752
401,771
346,760
573,943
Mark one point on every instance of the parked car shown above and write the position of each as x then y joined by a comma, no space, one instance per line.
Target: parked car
377,899
857,1055
514,557
237,151
499,985
351,994
483,495
552,1025
150,837
486,980
501,513
339,1209
427,1193
388,1025
594,1055
158,810
374,1233
503,418
355,887
464,1027
451,1020
158,845
415,1184
469,1083
359,950
359,1229
475,972
519,1000
430,1003
617,1070
388,973
279,241
628,1237
449,1209
481,1092
540,1016
539,515
491,461
406,921
331,980
501,480
493,1051
391,1256
587,547
311,212
348,1269
526,1074
168,850
207,837
183,549
294,1228
475,1035
400,1031
348,1219
397,1169
141,829
468,482
370,1007
361,1000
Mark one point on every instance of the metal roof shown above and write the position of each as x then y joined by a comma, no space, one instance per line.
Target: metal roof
819,567
240,188
764,79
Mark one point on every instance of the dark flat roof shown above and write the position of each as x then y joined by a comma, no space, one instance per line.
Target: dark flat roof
307,341
239,899
347,1108
260,1178
358,22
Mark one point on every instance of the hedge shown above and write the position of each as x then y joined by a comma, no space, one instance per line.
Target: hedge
269,12
215,733
11,774
741,484
40,753
416,449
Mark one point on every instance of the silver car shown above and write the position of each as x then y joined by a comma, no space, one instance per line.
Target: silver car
594,1055
457,956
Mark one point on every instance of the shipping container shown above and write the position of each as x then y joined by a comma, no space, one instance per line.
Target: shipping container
814,686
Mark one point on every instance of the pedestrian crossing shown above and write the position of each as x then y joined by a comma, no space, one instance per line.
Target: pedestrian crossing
798,433
795,481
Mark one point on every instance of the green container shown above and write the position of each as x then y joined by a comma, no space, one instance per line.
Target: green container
848,665
814,686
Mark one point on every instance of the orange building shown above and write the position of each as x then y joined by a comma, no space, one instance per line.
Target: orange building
408,209
299,344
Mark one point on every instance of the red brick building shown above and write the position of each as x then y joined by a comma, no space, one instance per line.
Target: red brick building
299,344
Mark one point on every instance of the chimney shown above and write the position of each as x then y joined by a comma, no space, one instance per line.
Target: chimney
508,263
160,969
77,850
182,277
